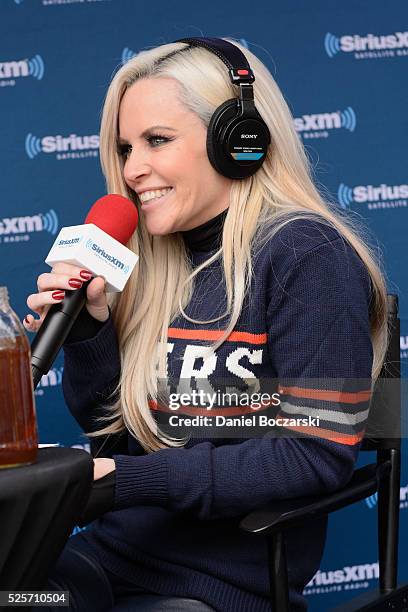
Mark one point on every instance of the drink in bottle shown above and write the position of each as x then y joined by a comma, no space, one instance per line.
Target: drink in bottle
18,424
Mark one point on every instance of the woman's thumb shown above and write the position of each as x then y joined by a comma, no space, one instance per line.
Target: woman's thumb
97,303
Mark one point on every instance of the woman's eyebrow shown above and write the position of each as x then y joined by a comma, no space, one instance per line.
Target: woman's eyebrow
150,129
158,127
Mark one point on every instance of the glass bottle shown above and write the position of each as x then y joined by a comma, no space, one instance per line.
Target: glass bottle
18,423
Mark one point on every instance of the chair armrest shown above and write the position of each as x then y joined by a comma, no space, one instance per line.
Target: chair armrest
280,515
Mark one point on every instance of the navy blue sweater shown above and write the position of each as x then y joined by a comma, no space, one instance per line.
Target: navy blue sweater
173,529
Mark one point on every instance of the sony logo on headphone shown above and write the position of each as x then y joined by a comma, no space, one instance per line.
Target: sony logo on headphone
249,135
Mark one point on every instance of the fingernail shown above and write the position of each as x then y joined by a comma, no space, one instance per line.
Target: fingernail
74,283
85,274
26,321
58,295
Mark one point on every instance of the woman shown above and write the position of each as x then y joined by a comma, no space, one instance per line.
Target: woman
276,282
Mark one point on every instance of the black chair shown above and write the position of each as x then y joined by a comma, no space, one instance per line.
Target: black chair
383,477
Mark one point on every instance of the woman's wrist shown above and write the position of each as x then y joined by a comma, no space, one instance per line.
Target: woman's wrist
85,327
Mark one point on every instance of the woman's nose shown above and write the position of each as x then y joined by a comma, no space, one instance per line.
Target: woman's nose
136,166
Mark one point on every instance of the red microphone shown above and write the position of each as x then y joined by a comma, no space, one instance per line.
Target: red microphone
115,217
98,244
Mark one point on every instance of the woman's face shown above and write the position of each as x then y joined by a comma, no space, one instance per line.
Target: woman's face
171,156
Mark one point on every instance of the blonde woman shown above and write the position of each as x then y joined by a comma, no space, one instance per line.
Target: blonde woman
245,274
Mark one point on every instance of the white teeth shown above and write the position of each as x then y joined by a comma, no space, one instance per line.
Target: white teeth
150,195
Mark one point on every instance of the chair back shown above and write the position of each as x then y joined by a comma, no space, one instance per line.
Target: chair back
383,429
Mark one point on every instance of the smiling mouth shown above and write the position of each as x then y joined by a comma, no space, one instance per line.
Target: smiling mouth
156,200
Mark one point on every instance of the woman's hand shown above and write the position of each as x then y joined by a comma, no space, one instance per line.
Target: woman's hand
51,290
102,467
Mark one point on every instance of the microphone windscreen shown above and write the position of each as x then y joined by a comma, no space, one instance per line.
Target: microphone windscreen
115,215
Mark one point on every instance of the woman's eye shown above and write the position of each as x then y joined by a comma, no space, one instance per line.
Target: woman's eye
124,150
154,140
156,137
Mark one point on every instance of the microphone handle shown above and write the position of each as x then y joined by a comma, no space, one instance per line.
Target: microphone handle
54,331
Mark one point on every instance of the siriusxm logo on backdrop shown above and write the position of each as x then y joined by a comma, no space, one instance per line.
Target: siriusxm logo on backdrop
127,55
321,124
370,46
383,196
404,347
16,69
50,380
346,578
372,501
86,446
77,529
64,147
18,229
90,244
58,2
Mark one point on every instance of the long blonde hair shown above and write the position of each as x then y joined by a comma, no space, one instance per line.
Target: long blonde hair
162,283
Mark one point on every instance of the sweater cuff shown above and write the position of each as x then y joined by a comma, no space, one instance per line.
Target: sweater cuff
84,328
99,350
141,480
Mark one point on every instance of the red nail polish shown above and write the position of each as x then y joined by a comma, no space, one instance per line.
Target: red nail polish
74,283
85,274
58,295
26,320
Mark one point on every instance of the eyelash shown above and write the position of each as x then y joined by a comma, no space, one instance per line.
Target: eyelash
124,150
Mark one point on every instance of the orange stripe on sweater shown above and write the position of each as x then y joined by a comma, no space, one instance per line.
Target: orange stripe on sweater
198,411
346,397
213,334
327,434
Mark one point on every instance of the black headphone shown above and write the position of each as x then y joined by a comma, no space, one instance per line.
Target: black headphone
237,136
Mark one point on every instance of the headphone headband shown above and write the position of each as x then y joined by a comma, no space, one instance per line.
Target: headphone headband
236,62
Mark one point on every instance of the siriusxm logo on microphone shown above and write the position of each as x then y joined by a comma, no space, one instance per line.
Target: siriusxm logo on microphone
90,244
97,251
370,46
69,242
65,147
319,125
16,69
383,196
18,229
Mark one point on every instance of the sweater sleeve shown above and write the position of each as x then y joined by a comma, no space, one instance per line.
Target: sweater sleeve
318,327
91,372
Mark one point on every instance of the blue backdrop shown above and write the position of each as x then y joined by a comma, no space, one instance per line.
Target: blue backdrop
342,70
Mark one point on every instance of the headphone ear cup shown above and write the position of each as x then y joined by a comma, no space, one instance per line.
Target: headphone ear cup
224,141
220,119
